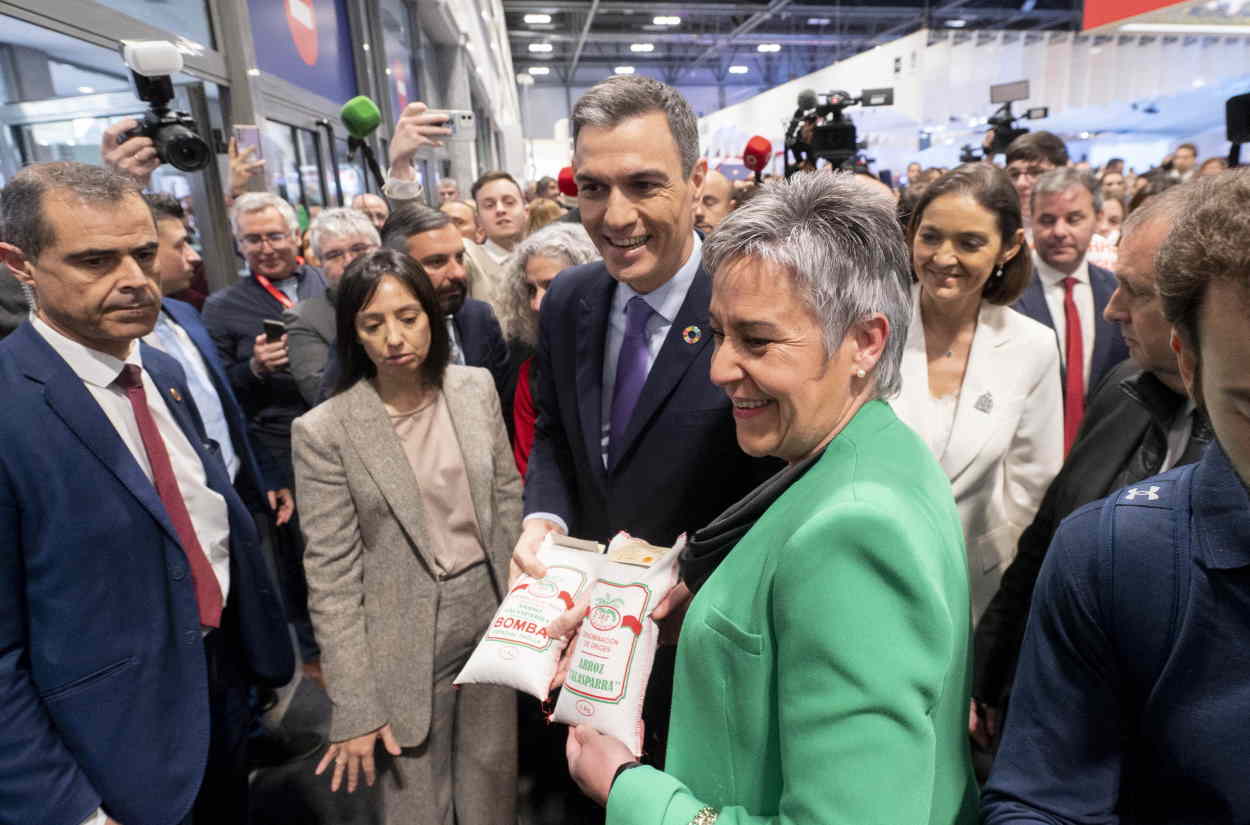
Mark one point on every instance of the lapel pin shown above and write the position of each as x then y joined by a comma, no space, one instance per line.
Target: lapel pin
174,394
985,403
692,334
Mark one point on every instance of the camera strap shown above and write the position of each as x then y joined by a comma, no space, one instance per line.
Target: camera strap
278,295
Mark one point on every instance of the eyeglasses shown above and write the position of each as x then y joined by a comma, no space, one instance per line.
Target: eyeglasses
355,250
274,239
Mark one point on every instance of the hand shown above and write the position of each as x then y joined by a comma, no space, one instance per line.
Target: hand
356,755
136,158
525,555
242,167
593,760
108,820
283,505
269,357
414,129
565,626
671,612
984,724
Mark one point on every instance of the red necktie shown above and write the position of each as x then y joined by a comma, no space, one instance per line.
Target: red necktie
207,589
1074,376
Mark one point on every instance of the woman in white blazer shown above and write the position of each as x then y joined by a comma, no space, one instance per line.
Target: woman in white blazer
980,381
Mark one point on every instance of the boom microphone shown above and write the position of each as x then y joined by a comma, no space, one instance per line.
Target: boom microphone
807,100
361,117
756,155
564,180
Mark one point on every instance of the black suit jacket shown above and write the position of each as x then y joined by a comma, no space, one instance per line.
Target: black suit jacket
1109,346
1116,420
681,465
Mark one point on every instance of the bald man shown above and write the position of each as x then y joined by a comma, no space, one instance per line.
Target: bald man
714,203
464,216
374,206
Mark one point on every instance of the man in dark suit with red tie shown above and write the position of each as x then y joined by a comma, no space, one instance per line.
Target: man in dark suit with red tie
1069,294
135,606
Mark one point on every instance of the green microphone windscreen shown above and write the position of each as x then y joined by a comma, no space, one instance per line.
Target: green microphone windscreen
361,116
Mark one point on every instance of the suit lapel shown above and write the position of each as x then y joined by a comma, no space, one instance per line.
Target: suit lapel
592,329
472,434
1102,284
370,430
675,358
975,417
1033,302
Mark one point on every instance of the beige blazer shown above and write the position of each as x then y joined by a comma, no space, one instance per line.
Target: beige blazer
372,582
1006,443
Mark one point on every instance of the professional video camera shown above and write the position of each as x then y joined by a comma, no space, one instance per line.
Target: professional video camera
1003,120
821,131
173,133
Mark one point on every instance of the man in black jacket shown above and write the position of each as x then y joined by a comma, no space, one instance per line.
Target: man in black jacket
1139,423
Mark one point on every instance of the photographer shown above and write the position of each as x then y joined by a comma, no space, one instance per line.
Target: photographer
137,158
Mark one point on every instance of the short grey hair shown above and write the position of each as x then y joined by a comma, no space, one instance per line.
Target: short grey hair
251,202
1169,205
619,98
23,200
1060,180
567,242
452,181
842,246
341,222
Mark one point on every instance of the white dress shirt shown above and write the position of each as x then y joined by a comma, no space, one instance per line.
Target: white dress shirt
1082,295
665,302
99,372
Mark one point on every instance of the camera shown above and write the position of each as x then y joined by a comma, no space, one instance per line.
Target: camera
820,131
173,133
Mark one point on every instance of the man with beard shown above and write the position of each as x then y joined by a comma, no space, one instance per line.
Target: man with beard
136,609
433,240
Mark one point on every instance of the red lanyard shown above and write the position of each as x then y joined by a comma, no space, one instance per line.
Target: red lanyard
279,295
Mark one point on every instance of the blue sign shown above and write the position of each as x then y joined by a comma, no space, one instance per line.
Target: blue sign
307,43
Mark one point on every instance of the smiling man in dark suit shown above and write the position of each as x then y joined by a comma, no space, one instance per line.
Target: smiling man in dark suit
135,607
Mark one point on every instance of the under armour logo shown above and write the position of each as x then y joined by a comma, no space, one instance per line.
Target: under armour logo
1151,493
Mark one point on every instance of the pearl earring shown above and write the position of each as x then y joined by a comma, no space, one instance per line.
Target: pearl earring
860,373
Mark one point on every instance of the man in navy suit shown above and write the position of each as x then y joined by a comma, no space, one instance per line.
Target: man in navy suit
135,607
1065,204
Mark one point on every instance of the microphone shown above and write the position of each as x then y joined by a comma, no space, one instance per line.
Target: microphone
808,100
361,117
756,155
565,181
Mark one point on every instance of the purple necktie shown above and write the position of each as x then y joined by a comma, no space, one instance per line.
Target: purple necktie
631,373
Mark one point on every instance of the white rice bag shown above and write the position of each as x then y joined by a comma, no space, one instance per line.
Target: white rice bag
516,651
616,643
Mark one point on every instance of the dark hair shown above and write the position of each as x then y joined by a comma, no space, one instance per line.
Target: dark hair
1209,243
491,177
165,207
1157,182
22,200
542,182
990,187
611,102
1191,147
408,220
1036,146
356,289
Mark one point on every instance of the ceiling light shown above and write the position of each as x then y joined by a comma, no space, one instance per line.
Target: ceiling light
666,21
768,48
1182,29
739,69
541,48
86,90
957,23
624,70
1199,83
818,21
642,47
539,70
537,18
253,72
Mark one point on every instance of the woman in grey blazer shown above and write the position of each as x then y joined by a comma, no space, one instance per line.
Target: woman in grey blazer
410,503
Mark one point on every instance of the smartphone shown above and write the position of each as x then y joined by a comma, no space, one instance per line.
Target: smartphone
248,136
274,330
460,122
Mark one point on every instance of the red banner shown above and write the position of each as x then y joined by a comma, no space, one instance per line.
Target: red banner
1101,12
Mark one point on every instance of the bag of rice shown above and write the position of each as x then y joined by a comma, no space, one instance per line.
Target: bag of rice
615,648
516,651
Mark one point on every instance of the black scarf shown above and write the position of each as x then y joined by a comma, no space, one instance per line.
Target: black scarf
709,546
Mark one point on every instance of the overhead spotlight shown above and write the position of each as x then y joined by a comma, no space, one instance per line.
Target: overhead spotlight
957,23
541,48
537,18
644,48
539,71
624,70
86,90
666,21
739,69
818,21
768,48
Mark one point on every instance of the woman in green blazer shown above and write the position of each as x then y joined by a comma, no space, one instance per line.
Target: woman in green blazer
823,669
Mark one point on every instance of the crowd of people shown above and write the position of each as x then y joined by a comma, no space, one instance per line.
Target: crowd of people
962,470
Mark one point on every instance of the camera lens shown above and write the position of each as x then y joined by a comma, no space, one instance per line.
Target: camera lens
182,147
